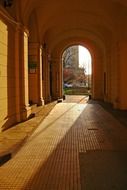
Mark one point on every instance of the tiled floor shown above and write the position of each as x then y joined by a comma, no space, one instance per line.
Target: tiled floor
49,160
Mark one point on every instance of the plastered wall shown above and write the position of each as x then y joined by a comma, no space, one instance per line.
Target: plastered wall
7,77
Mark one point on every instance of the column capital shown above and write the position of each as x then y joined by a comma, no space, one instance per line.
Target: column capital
21,28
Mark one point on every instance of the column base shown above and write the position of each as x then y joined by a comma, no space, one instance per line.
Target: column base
41,102
26,113
48,99
116,103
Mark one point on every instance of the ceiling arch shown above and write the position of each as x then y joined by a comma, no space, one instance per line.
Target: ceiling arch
92,43
27,6
78,34
60,20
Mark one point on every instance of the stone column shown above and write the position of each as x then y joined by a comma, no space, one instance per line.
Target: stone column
113,91
40,89
23,71
35,74
17,73
57,78
97,87
122,90
46,76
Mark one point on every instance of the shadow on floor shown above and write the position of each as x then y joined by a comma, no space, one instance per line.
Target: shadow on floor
104,170
120,115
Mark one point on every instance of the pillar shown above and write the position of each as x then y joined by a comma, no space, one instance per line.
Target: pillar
35,74
25,109
114,76
57,86
97,77
46,75
122,92
17,73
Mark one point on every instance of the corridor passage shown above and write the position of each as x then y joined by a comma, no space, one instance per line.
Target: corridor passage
78,146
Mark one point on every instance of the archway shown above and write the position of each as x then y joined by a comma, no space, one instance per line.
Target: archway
97,57
77,70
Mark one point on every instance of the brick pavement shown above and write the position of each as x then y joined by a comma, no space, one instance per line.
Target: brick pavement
49,160
13,138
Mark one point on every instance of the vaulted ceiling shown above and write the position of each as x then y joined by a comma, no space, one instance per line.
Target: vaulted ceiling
55,21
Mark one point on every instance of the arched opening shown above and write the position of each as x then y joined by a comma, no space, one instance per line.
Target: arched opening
77,71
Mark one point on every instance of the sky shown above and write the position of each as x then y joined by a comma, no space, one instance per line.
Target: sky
85,59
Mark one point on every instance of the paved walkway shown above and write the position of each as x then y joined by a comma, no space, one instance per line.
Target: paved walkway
49,159
12,139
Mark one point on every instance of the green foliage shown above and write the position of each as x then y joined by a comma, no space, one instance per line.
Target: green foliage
76,91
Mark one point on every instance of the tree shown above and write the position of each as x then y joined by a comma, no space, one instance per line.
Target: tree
72,73
68,75
68,56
